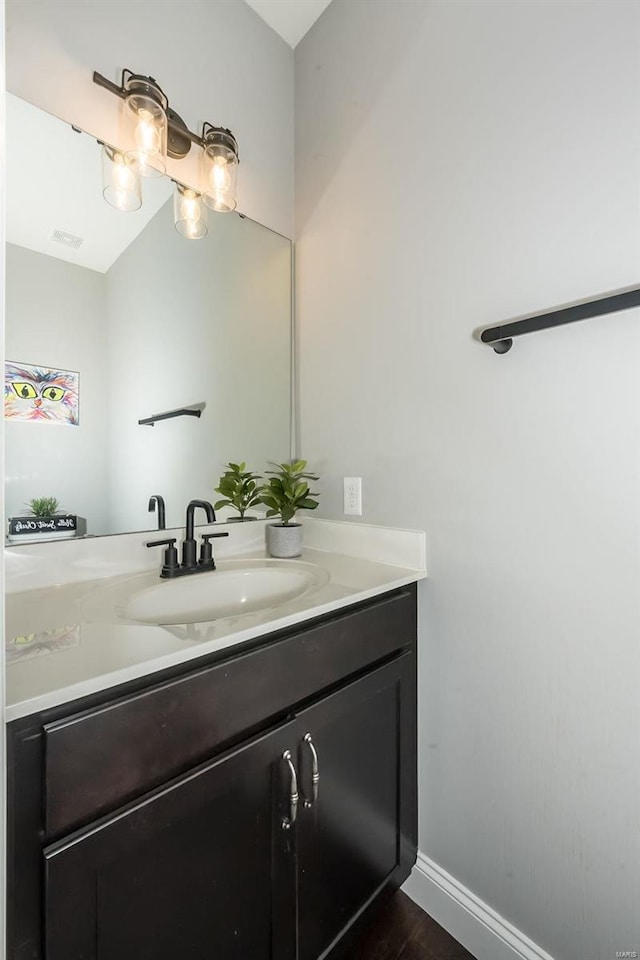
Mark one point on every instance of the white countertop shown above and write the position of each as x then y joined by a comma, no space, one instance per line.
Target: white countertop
57,653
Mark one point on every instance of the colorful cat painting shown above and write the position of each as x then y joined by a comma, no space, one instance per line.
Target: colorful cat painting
41,394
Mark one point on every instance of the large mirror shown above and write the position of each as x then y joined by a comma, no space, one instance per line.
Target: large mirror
130,319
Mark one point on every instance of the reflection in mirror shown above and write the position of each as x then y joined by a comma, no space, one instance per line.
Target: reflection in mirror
140,321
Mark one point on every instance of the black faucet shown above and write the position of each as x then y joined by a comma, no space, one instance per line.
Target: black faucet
157,499
189,545
190,563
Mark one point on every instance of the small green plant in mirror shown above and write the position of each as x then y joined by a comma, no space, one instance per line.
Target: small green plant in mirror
239,487
44,506
287,490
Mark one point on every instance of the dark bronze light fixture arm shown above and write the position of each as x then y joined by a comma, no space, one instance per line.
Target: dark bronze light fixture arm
108,85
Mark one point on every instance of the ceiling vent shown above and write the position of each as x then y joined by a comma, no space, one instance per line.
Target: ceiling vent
68,239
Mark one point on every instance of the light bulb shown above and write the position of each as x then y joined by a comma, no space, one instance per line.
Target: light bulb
144,126
190,205
123,176
219,177
120,183
147,135
219,169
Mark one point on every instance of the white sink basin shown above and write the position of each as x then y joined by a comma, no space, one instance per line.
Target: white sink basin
236,587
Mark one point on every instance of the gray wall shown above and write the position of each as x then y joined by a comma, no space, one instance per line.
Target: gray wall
458,164
58,319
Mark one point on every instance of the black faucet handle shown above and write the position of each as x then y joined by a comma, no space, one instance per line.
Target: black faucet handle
170,565
161,543
206,561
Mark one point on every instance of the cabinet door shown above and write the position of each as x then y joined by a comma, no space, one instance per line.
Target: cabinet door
188,872
352,833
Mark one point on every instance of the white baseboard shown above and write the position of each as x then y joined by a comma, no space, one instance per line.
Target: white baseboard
482,931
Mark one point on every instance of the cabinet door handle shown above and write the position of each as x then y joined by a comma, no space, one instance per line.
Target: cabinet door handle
315,771
289,821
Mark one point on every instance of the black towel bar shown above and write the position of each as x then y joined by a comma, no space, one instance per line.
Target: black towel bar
195,410
501,338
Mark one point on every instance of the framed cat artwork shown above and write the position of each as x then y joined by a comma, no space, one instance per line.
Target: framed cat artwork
41,394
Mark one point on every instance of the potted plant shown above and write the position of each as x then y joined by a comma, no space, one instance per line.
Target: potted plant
45,519
286,492
44,506
240,490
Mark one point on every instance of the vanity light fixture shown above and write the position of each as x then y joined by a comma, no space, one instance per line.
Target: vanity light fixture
151,132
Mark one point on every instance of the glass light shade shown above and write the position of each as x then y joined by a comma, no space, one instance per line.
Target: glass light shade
120,182
144,122
189,213
219,173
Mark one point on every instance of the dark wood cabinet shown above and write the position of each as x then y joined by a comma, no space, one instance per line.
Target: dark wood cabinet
187,872
348,836
269,849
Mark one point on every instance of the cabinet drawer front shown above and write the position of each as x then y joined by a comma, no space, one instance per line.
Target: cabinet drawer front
98,759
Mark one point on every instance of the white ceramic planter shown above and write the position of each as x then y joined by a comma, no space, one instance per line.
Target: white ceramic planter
284,541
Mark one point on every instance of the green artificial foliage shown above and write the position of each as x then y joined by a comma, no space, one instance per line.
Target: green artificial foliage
44,506
287,490
239,488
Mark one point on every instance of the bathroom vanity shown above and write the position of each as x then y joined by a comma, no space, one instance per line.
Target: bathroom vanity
222,774
252,801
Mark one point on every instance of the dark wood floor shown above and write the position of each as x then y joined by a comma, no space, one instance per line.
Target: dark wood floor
402,931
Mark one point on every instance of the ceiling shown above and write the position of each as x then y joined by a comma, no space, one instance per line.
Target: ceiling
290,18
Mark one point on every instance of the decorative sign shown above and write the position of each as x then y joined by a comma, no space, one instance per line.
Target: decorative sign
41,394
21,526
